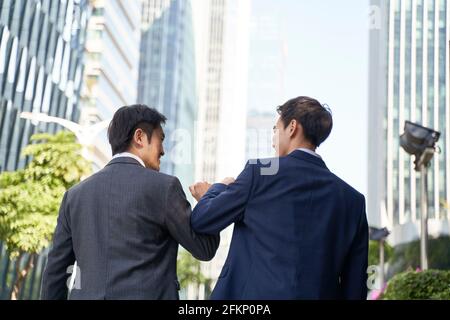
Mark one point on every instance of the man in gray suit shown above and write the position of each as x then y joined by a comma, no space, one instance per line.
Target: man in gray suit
123,225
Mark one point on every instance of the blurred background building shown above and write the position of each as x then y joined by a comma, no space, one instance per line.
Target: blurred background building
41,68
409,80
222,28
167,80
111,66
213,20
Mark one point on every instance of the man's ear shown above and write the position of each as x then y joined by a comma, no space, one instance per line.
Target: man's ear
293,128
138,137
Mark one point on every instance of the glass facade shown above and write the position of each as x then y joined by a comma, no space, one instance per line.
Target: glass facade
167,80
414,40
41,67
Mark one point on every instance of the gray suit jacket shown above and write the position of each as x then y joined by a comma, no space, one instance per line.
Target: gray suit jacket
123,226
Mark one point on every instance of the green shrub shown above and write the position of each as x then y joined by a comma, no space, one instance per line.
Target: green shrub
422,285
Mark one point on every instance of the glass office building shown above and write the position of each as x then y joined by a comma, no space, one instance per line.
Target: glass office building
409,80
167,79
41,67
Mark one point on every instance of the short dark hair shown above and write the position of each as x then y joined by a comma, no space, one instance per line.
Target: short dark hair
127,120
316,119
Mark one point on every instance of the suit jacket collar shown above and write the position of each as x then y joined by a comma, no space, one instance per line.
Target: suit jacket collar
301,155
124,160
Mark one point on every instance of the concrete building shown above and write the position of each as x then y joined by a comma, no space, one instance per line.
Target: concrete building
409,80
111,68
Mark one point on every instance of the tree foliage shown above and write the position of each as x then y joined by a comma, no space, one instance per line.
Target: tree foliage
189,270
30,198
374,252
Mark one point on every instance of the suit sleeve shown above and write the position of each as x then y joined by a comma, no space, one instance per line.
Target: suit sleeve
223,205
354,276
60,257
177,220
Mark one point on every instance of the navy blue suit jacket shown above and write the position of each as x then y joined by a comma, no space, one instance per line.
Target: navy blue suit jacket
299,234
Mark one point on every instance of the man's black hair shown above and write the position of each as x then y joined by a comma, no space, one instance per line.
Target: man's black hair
127,120
315,119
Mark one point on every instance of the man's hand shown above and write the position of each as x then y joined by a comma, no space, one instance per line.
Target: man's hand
228,181
199,189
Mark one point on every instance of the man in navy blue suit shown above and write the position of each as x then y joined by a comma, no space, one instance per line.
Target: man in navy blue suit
300,232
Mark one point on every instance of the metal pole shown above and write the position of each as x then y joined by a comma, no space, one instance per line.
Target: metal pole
424,220
381,264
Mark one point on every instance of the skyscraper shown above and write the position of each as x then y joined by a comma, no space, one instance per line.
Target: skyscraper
409,80
41,54
223,89
211,93
41,67
222,28
112,61
167,80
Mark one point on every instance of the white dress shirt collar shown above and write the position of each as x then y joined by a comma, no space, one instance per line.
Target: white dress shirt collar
129,155
310,152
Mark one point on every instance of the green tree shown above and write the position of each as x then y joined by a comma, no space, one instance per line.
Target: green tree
189,271
374,252
30,198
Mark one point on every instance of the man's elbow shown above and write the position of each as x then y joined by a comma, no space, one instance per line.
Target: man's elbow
205,256
208,252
